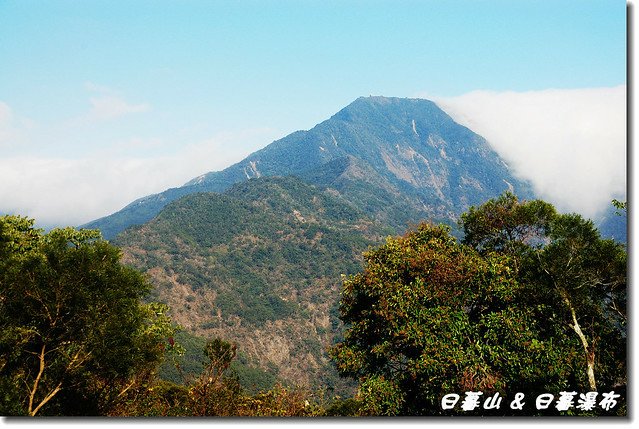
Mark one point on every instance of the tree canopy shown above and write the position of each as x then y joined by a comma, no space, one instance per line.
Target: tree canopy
429,316
568,269
73,331
530,301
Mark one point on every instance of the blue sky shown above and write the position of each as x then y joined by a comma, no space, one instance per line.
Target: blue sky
191,86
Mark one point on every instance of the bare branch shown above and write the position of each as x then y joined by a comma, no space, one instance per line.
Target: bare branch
47,398
34,389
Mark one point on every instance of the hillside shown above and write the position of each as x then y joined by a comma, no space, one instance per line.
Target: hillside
398,160
260,265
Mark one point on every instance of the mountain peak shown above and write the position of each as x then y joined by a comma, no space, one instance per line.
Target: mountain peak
406,147
393,108
383,101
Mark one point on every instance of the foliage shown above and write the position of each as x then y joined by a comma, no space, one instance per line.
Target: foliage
429,316
583,279
349,407
505,225
621,206
379,397
183,369
575,276
216,392
279,402
73,333
529,301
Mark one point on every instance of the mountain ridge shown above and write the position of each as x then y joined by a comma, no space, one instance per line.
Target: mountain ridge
407,145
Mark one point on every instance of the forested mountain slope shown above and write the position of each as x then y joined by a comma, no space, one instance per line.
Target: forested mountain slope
260,265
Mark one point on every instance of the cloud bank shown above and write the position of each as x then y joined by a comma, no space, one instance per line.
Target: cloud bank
90,175
571,144
62,191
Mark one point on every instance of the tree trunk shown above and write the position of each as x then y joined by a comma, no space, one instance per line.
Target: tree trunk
589,349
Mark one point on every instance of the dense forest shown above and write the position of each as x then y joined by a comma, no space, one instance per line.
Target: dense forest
526,301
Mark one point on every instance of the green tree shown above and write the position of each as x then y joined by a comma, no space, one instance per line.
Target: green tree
217,390
430,316
584,277
577,278
621,206
507,226
74,335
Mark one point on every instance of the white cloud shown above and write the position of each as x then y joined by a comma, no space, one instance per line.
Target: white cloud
109,107
61,191
571,144
103,176
109,104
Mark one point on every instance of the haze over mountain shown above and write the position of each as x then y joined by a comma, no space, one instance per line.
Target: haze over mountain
399,160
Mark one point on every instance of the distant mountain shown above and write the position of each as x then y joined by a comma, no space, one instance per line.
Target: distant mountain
254,253
614,224
398,160
260,265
